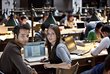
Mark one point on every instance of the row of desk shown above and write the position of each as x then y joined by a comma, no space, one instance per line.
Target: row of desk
85,61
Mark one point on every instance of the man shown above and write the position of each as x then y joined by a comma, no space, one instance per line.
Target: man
11,61
105,42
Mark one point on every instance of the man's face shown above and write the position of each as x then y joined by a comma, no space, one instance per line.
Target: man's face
23,36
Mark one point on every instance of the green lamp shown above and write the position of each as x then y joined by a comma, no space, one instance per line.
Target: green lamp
94,17
49,20
11,21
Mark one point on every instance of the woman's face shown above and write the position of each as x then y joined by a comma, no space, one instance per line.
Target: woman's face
51,36
71,18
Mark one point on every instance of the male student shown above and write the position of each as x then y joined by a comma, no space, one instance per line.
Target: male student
11,61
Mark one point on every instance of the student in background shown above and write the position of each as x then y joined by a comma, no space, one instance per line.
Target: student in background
41,34
11,61
105,42
95,34
45,16
69,23
23,20
59,55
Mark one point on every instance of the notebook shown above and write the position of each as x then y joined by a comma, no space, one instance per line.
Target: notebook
34,51
80,25
71,45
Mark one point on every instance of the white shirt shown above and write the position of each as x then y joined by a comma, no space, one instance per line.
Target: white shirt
105,43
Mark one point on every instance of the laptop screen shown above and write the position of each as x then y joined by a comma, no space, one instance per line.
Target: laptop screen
80,25
70,43
34,49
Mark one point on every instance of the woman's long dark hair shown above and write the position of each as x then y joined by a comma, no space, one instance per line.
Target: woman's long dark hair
56,29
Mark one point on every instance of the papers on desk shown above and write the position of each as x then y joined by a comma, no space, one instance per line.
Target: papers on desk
73,57
9,35
2,38
103,52
71,31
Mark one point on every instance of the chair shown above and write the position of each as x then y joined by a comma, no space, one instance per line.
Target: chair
72,70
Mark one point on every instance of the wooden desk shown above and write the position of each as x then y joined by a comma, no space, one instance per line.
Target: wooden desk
86,61
71,31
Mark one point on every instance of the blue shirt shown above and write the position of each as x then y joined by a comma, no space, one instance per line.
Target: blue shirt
98,69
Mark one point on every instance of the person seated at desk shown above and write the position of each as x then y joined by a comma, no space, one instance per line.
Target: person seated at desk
11,61
23,20
69,23
91,25
41,34
59,56
105,42
43,19
95,34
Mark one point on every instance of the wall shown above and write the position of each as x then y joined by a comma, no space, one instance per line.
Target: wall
63,5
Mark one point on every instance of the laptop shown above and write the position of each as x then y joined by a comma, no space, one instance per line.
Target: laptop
80,25
71,45
34,51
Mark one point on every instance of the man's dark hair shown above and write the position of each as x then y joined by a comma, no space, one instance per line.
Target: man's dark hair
99,25
18,27
107,63
106,28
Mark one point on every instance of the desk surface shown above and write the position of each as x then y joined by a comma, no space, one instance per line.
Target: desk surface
85,60
71,31
76,57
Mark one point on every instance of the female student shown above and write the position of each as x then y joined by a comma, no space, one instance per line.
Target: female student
59,56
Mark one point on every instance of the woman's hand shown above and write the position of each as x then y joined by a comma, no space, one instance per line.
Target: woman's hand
61,65
47,65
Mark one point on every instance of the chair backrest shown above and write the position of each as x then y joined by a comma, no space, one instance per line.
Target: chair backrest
72,70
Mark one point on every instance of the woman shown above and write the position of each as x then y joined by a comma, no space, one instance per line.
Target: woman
59,56
69,23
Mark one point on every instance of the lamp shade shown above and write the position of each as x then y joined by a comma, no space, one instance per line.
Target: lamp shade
4,16
11,21
49,20
94,18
